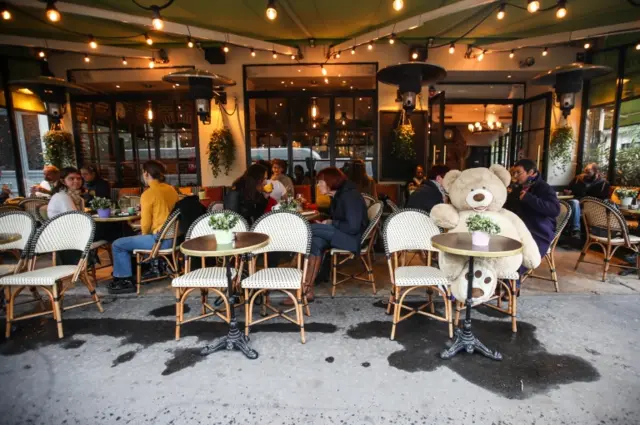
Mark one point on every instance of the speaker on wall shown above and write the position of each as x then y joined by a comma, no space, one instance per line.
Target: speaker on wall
214,55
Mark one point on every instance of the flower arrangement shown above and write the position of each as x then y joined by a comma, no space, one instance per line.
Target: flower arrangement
223,221
101,204
289,204
626,192
59,149
403,143
480,223
222,151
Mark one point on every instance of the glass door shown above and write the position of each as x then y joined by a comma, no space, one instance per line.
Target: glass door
436,152
532,131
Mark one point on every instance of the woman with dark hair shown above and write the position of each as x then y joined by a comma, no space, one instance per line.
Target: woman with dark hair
298,175
156,203
67,194
278,168
348,221
247,196
357,173
96,186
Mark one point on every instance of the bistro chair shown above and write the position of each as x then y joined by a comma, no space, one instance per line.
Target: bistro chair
605,218
392,206
32,206
561,223
23,223
9,208
72,230
411,230
340,256
170,231
215,206
369,200
288,232
206,278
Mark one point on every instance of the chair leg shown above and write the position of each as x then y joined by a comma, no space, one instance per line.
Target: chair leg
334,274
586,246
432,307
368,264
448,312
607,261
138,273
514,306
57,311
299,314
552,265
396,313
9,312
247,313
203,298
457,319
390,303
92,290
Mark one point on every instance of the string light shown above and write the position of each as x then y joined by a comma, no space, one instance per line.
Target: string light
398,5
392,38
452,49
533,6
225,48
314,109
272,13
5,12
545,52
275,55
157,21
326,81
52,12
501,11
561,11
370,46
638,46
87,59
152,63
253,53
92,42
41,54
148,39
338,55
414,55
293,57
481,56
587,45
190,43
124,61
353,50
323,70
512,54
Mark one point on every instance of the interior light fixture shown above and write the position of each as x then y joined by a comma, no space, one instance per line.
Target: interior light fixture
275,55
92,42
392,38
190,43
124,61
52,12
545,52
41,53
323,70
272,13
314,108
533,6
253,53
414,55
398,5
5,12
370,46
148,39
225,48
343,118
587,45
501,11
481,56
452,49
512,54
87,59
561,11
150,113
156,20
353,50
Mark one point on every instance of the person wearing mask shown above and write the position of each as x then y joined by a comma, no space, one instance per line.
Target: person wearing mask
247,196
298,175
356,172
51,180
589,183
536,203
430,193
418,180
156,203
343,230
95,185
278,168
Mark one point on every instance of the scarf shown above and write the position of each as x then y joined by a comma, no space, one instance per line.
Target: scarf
76,197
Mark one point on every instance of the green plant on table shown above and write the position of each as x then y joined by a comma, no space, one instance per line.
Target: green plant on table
626,192
100,203
289,204
480,223
223,221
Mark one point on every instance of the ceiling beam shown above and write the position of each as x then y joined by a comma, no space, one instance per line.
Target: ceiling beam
565,37
72,46
173,28
411,23
294,17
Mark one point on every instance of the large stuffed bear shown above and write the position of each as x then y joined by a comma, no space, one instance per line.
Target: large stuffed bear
481,191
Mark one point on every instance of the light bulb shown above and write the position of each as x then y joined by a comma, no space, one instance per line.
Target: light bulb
512,54
398,5
6,14
148,39
392,39
481,56
157,21
338,55
52,13
150,113
275,55
314,110
87,58
41,53
293,57
189,43
326,81
124,61
370,46
452,49
323,70
478,125
272,13
253,53
545,52
587,45
93,43
533,6
152,63
225,48
414,55
353,50
638,46
501,12
561,11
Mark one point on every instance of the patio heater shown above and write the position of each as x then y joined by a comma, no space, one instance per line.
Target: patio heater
203,86
53,92
410,77
567,81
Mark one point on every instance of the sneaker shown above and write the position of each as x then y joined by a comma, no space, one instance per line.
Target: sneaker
121,286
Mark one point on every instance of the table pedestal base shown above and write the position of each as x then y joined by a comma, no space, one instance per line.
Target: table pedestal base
235,340
465,340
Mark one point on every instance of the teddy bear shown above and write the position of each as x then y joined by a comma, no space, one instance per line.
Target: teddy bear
481,191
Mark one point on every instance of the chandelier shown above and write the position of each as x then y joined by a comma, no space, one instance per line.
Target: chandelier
485,126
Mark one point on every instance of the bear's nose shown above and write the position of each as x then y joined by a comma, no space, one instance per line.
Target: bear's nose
478,197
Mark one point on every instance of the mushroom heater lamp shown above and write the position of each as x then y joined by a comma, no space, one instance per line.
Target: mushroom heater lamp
410,77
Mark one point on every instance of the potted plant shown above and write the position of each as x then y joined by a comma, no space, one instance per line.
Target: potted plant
59,149
626,195
222,151
222,224
288,204
481,227
102,206
402,147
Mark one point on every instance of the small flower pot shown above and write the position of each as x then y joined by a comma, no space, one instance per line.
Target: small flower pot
626,201
104,213
223,237
480,238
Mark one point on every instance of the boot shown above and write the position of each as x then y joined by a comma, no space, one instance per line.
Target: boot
307,285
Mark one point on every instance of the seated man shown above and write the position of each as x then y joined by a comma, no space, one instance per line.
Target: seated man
51,180
431,192
589,183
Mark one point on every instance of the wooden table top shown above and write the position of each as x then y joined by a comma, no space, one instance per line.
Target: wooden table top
115,218
9,237
460,244
310,214
629,211
565,197
206,246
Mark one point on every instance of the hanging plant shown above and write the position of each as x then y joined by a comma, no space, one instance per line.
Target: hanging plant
403,142
561,149
222,151
59,149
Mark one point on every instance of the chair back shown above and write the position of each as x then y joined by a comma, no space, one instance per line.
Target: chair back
374,213
20,222
43,213
392,205
288,232
563,217
201,227
597,213
409,229
216,206
32,206
133,200
9,208
72,230
169,229
368,200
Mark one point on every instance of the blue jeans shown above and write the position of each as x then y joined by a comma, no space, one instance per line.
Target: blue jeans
321,238
123,248
575,214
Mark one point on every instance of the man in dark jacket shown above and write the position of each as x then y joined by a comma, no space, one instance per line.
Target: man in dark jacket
431,192
589,183
538,204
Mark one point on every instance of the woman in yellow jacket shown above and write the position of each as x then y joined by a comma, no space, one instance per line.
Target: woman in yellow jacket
156,204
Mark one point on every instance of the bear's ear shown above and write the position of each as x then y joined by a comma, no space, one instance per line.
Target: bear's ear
502,173
449,178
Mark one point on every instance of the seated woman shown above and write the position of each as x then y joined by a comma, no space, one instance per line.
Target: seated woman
357,173
247,196
344,229
95,185
278,168
156,204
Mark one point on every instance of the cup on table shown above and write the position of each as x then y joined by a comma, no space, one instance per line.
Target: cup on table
131,210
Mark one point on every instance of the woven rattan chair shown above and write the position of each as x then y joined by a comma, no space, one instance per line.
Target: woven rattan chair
605,216
411,230
215,206
9,208
169,230
340,256
288,232
369,200
205,279
72,230
23,223
32,206
392,206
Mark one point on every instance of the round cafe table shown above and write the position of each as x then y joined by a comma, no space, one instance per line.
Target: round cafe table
115,218
565,197
6,238
460,244
206,246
